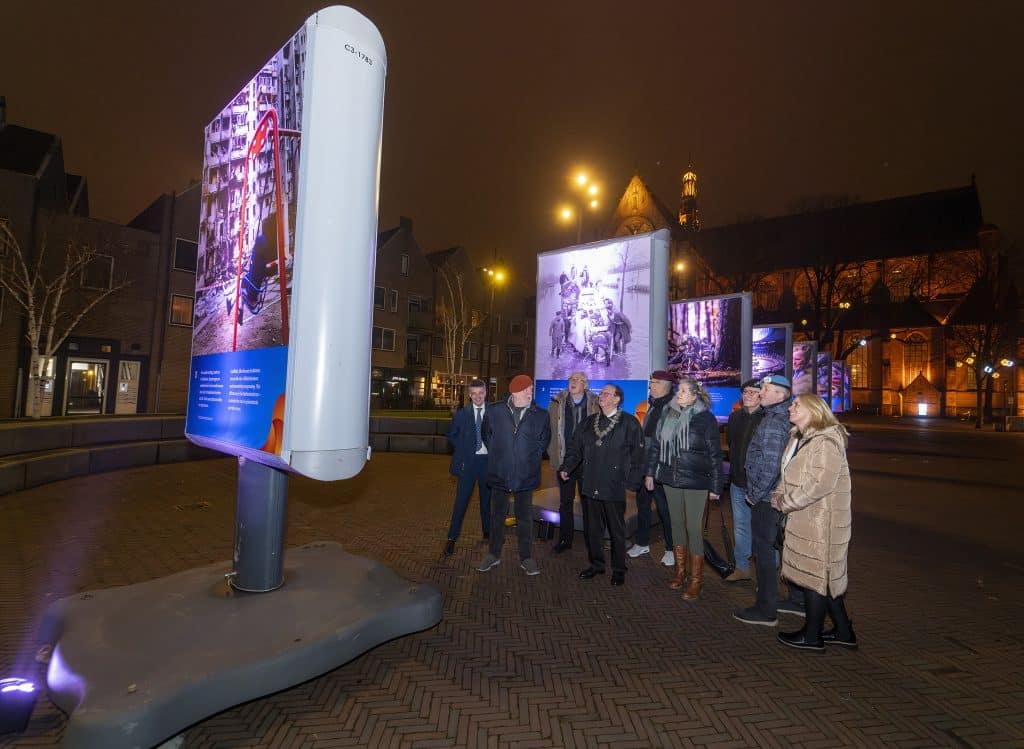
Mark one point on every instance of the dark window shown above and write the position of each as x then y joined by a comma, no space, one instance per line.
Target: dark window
515,358
181,309
405,265
185,254
378,297
98,272
383,339
394,300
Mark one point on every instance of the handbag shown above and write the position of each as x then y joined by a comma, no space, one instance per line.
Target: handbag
724,566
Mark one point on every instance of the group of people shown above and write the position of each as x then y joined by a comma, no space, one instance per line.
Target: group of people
789,486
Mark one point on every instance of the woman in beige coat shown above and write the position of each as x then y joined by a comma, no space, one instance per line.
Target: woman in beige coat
814,492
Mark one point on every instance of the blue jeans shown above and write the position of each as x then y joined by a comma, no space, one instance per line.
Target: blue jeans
740,526
473,473
643,515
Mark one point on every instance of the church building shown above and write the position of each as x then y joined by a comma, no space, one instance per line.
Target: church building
912,293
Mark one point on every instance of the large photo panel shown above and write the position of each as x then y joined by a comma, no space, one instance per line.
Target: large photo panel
246,257
771,350
284,285
709,340
600,310
805,367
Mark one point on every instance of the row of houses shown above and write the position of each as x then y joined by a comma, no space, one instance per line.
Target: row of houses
913,293
130,354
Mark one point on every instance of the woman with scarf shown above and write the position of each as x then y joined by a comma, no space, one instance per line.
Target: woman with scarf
685,456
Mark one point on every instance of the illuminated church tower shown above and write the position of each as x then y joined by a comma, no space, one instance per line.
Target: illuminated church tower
689,219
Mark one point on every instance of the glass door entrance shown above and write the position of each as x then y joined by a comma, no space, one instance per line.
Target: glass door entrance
86,387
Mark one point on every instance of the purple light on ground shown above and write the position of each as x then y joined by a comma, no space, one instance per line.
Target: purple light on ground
62,680
15,684
549,516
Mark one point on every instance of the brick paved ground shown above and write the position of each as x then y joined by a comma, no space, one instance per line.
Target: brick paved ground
548,661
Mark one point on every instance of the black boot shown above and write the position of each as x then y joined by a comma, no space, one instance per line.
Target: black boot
808,638
842,633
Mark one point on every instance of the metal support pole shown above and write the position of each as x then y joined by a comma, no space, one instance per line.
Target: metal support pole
259,527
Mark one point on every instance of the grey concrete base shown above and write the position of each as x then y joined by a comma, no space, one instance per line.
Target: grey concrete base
136,665
545,512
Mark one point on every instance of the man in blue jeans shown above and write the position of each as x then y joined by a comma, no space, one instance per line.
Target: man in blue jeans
738,433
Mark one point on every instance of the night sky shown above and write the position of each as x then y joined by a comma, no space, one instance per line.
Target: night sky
490,106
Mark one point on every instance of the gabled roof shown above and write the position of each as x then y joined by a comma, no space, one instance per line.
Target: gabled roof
941,221
24,150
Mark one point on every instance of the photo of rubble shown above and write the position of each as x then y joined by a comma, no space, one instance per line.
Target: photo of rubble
247,216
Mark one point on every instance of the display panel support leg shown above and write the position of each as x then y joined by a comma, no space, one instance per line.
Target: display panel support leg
259,527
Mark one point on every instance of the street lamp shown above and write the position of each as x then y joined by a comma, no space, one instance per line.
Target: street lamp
679,268
585,198
495,277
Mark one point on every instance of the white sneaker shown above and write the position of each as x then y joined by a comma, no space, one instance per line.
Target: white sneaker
636,550
668,558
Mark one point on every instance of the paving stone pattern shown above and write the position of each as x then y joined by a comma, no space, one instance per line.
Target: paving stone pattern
543,661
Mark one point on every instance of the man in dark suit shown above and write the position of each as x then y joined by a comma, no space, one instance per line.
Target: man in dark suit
469,462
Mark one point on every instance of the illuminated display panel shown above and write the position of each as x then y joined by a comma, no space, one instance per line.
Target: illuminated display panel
771,346
600,310
824,373
805,366
287,248
709,340
840,387
246,258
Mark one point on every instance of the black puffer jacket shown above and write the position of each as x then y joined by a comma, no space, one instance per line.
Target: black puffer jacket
699,464
514,451
613,466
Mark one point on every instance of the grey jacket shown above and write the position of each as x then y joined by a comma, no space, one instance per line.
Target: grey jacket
556,414
764,455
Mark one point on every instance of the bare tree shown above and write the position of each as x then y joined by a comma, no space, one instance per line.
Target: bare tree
983,328
828,286
457,319
53,297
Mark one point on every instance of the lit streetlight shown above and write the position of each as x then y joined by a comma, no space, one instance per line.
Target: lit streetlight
586,197
495,277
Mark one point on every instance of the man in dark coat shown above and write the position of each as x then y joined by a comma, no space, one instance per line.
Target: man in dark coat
469,462
763,467
610,445
659,389
516,435
738,433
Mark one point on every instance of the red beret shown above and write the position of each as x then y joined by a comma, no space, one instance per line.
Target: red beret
661,374
519,383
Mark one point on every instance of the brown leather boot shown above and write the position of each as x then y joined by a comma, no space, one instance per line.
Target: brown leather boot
692,592
681,558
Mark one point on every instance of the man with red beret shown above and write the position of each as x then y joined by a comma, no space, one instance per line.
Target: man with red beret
516,435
